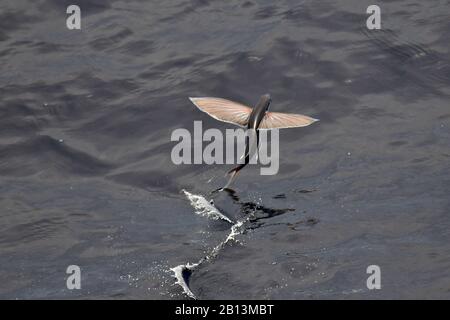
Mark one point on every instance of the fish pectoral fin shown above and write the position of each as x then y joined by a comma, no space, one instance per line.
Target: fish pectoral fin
279,120
224,110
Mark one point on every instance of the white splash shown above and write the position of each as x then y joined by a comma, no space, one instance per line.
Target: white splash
204,208
178,274
235,230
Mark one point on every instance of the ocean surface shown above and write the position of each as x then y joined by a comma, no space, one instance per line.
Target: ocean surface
86,176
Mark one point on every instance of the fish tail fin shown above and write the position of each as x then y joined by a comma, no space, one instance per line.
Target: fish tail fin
233,172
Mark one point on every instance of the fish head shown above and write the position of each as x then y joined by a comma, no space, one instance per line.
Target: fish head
265,100
264,103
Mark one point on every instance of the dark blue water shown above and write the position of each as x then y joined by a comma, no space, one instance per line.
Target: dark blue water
85,171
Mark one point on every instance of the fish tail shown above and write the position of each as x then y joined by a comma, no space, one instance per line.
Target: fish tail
233,172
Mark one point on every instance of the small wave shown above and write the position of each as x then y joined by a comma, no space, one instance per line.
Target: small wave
44,152
416,59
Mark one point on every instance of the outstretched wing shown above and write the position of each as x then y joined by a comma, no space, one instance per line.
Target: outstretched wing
278,120
224,110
